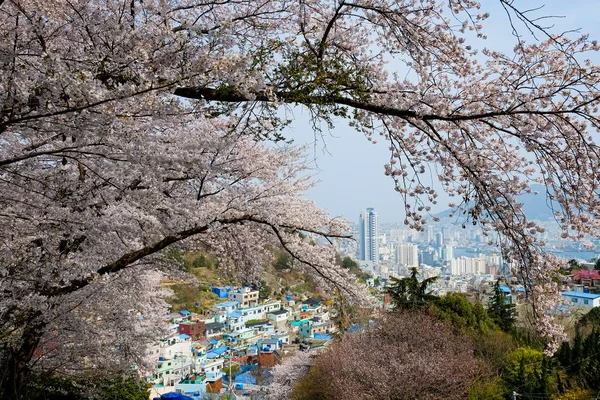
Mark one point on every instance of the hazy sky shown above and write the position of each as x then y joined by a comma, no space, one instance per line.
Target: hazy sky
349,169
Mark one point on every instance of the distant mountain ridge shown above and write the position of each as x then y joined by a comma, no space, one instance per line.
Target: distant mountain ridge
536,207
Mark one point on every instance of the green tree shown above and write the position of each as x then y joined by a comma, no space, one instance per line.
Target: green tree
345,311
487,390
524,368
203,261
580,358
573,265
461,312
283,262
235,370
349,263
264,291
501,312
597,264
409,292
376,282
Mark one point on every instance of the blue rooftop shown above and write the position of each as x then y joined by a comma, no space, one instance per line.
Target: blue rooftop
581,295
319,336
184,336
227,304
185,313
504,288
214,353
175,396
235,314
213,341
246,377
250,376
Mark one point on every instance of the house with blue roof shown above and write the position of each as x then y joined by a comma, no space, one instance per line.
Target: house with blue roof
192,385
320,336
580,299
228,306
183,337
222,291
218,352
504,289
243,336
252,350
282,338
235,321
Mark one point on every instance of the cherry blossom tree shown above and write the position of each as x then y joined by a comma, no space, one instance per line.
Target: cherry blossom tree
288,372
127,127
406,355
102,168
418,74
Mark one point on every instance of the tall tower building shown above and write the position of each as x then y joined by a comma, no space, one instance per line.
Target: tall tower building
368,243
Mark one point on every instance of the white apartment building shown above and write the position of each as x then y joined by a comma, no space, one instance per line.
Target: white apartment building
245,296
467,265
408,255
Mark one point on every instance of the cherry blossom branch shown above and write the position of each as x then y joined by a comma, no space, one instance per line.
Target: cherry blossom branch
130,258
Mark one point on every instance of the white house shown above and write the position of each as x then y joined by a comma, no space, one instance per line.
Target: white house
278,316
228,306
273,305
579,299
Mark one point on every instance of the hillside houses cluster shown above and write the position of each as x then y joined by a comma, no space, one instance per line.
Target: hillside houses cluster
240,333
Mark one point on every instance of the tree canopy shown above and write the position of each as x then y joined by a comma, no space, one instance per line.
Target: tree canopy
500,310
409,292
127,127
424,358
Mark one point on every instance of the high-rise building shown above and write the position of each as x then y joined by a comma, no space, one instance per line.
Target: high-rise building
428,256
467,265
447,253
368,243
408,255
439,240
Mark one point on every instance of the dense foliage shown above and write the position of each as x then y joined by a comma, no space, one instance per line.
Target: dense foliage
86,387
500,309
409,292
506,358
128,127
406,355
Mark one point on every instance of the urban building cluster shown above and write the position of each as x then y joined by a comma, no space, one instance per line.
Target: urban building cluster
231,347
393,252
462,261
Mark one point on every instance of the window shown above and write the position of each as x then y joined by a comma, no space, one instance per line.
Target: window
574,300
586,302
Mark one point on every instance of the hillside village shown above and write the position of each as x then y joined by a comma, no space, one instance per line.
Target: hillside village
240,337
231,346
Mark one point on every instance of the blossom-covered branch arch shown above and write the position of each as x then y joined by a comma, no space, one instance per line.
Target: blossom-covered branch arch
126,123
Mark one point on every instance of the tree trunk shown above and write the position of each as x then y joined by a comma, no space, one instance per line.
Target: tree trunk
13,385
